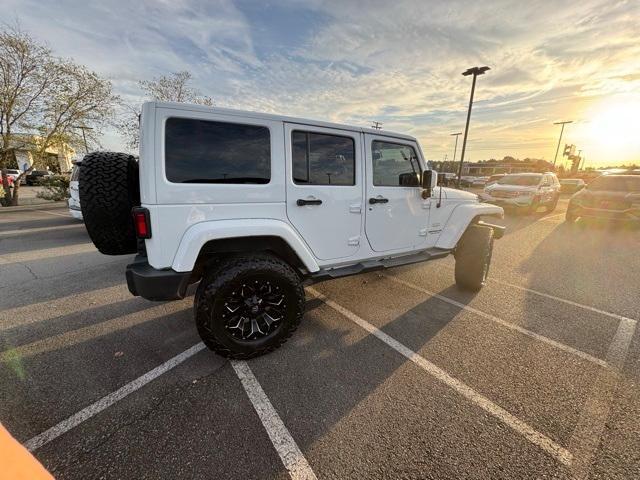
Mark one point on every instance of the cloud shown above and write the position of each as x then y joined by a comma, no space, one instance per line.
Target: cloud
396,62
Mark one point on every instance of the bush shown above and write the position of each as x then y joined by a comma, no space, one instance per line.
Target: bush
55,188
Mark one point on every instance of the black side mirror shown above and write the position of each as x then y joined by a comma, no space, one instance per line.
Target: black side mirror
427,177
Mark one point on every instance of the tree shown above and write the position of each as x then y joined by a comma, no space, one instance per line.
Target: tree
166,88
43,99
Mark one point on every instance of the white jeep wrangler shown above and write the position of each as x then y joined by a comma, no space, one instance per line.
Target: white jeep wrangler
254,205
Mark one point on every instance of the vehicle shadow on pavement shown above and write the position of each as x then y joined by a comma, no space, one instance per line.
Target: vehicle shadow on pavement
515,221
596,259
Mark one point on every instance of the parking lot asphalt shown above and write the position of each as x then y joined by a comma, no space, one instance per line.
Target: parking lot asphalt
393,374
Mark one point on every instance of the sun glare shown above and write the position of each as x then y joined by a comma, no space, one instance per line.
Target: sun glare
615,129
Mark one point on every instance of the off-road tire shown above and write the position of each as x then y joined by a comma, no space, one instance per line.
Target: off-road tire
473,257
109,188
228,274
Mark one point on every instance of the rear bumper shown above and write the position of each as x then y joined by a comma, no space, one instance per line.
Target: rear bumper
147,282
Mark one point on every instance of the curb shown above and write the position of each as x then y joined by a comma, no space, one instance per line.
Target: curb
38,206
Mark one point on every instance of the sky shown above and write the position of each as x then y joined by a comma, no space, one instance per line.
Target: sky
397,62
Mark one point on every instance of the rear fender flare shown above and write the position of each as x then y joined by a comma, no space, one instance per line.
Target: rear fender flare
199,234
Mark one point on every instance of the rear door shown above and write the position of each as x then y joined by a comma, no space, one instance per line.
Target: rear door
397,216
325,188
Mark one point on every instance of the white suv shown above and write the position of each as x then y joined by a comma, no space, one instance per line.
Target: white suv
525,191
252,205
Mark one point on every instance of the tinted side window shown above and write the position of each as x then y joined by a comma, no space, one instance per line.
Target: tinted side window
321,159
394,165
202,151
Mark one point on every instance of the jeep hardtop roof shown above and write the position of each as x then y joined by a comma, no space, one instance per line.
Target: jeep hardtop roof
280,118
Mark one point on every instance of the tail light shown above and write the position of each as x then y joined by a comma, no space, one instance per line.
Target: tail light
142,222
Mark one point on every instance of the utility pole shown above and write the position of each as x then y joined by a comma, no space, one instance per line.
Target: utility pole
560,139
84,136
475,71
376,125
455,148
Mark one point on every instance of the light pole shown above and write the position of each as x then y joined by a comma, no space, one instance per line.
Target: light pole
560,139
455,148
475,71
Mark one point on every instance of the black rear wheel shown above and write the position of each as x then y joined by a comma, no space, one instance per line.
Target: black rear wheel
249,305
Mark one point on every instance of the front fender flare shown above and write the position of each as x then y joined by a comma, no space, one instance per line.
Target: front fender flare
459,220
200,233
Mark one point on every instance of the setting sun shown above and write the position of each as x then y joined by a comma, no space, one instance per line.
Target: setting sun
613,131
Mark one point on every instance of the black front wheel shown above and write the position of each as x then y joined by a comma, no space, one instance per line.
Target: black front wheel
473,257
249,305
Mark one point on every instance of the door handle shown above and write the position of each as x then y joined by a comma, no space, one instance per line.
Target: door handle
301,202
378,200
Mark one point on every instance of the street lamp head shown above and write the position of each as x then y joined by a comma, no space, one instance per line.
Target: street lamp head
562,123
452,134
475,71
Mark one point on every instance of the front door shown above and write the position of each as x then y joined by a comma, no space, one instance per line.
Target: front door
396,214
325,188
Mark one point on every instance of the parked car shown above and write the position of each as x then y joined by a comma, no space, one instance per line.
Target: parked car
466,181
526,192
13,173
74,194
494,178
34,177
613,197
571,185
479,181
251,205
10,181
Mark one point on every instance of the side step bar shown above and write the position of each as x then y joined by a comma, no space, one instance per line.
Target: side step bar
498,230
379,264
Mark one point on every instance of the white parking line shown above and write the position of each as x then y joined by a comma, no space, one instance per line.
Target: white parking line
291,456
21,231
586,437
540,440
499,321
51,213
105,402
564,300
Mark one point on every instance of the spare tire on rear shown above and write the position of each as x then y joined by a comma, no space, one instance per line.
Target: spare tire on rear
109,189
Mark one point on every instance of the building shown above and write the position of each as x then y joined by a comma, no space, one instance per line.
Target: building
58,158
493,167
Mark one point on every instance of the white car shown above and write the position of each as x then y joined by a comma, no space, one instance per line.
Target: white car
252,205
74,193
525,191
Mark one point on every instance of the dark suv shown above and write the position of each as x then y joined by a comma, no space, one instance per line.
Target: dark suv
612,197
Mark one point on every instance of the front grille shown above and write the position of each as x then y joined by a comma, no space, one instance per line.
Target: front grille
503,194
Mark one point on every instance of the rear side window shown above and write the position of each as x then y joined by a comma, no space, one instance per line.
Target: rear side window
202,151
321,159
394,165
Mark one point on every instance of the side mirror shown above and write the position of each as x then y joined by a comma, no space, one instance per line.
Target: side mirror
429,181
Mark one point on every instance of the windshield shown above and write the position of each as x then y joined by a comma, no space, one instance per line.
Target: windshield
520,180
616,184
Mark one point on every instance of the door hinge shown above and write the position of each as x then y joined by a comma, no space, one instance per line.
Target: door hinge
422,232
354,241
355,208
